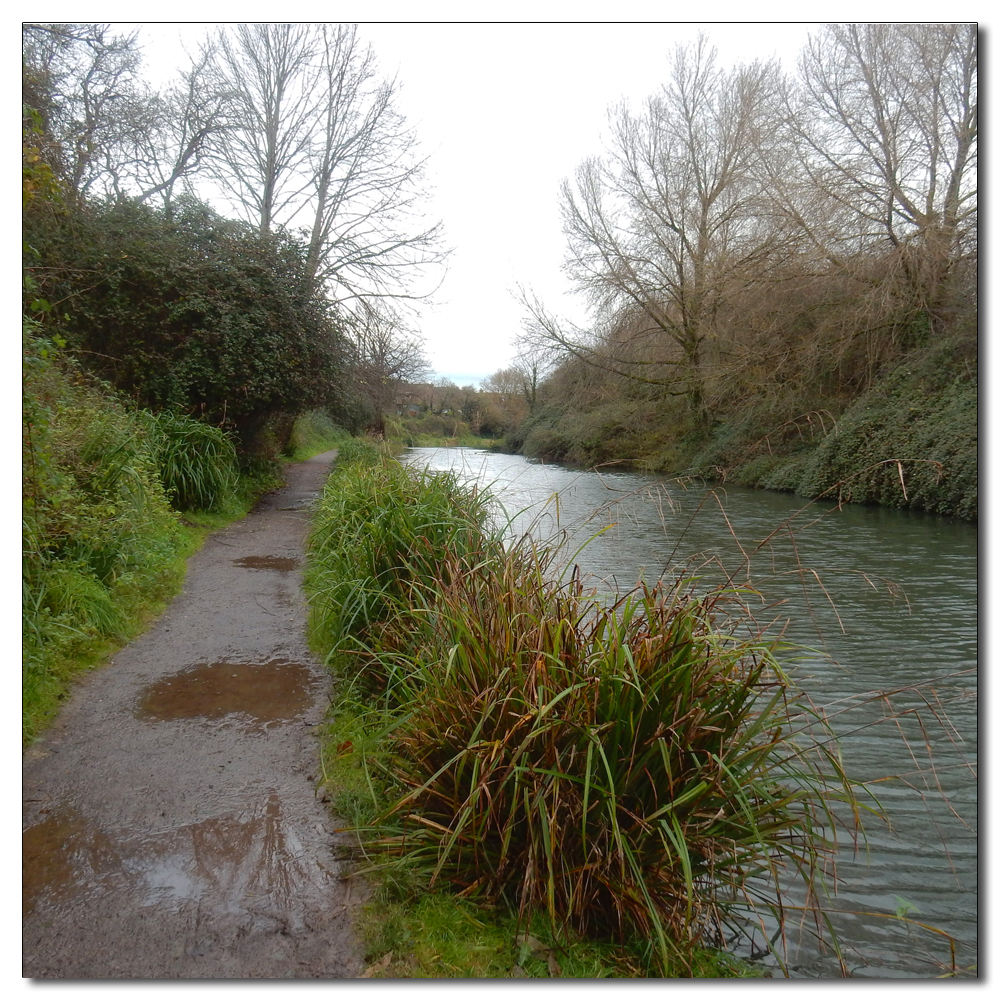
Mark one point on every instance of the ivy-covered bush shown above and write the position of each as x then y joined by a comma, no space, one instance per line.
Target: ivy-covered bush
188,311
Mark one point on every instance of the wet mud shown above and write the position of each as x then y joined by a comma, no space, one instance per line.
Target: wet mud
172,827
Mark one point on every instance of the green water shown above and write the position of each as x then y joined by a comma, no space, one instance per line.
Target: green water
887,602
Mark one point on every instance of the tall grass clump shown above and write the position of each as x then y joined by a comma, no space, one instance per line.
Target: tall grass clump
360,451
627,770
641,770
197,462
379,532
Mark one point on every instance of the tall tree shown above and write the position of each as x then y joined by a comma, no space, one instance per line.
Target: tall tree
272,70
661,229
83,78
322,144
887,123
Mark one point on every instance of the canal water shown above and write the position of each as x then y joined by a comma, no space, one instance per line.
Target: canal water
882,607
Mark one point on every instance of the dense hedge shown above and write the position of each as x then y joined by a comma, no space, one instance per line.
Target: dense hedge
188,312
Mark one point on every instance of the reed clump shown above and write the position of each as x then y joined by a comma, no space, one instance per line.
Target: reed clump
630,769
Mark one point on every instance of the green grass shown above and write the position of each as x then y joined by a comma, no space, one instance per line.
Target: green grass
196,462
81,635
378,533
625,773
312,434
103,550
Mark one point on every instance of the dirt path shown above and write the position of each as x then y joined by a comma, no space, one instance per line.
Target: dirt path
171,826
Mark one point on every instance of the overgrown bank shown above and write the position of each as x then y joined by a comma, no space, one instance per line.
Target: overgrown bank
908,441
114,500
591,789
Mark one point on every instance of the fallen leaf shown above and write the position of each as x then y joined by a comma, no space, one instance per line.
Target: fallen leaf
380,966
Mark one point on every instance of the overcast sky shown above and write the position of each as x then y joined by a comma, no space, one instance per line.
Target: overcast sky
505,112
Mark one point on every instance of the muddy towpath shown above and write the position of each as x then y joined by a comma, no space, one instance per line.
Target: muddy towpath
171,824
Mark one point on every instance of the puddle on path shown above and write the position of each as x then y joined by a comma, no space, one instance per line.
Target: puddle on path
64,856
251,860
279,563
276,691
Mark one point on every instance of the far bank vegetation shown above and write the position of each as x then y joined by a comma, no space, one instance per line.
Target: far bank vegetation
781,269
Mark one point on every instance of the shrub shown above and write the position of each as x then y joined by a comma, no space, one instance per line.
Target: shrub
191,312
197,462
909,442
630,770
546,443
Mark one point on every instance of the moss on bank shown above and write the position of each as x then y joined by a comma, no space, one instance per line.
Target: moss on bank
911,441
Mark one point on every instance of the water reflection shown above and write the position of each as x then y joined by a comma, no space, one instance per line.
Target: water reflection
253,861
265,693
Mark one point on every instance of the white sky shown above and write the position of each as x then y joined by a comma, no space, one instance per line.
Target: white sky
505,112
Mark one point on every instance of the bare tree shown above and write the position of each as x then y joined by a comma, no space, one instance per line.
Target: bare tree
189,118
887,122
508,388
366,177
271,68
539,347
661,229
87,78
321,143
384,356
114,136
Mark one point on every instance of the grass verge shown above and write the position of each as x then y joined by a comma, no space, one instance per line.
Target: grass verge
104,541
312,434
